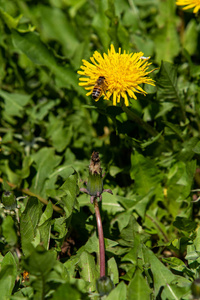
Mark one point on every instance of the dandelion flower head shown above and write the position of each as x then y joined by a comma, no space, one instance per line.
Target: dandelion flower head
123,73
190,4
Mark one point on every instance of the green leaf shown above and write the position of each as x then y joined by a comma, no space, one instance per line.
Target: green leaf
167,82
60,135
138,288
179,184
113,270
145,173
60,226
187,151
63,31
100,23
8,275
40,262
41,110
71,265
24,293
9,20
196,148
166,39
129,233
28,224
31,45
162,277
91,246
66,289
165,107
39,265
68,193
45,161
175,263
190,37
197,240
175,129
88,269
184,224
9,231
118,293
152,140
44,225
14,103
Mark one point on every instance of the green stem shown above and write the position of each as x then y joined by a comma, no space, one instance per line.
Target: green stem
159,228
134,117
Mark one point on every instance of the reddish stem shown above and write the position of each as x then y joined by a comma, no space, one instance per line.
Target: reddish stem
101,239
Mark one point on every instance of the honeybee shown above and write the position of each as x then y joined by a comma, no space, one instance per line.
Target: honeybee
99,88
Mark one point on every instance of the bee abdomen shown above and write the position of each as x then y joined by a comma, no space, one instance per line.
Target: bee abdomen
96,93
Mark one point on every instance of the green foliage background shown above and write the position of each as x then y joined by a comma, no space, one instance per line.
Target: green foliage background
49,129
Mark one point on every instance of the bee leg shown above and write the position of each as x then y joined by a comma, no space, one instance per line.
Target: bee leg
105,92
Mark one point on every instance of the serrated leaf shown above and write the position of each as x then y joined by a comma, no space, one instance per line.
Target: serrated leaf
58,133
165,107
14,103
44,225
31,45
176,129
145,173
28,224
167,82
138,288
88,269
151,141
68,193
45,160
60,225
161,275
62,31
179,184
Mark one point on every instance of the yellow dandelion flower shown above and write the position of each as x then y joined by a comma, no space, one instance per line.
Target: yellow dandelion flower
115,74
190,4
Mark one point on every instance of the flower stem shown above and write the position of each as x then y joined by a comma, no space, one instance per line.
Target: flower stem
133,116
101,239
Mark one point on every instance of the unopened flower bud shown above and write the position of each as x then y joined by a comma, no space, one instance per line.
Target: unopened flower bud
9,200
95,180
104,286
